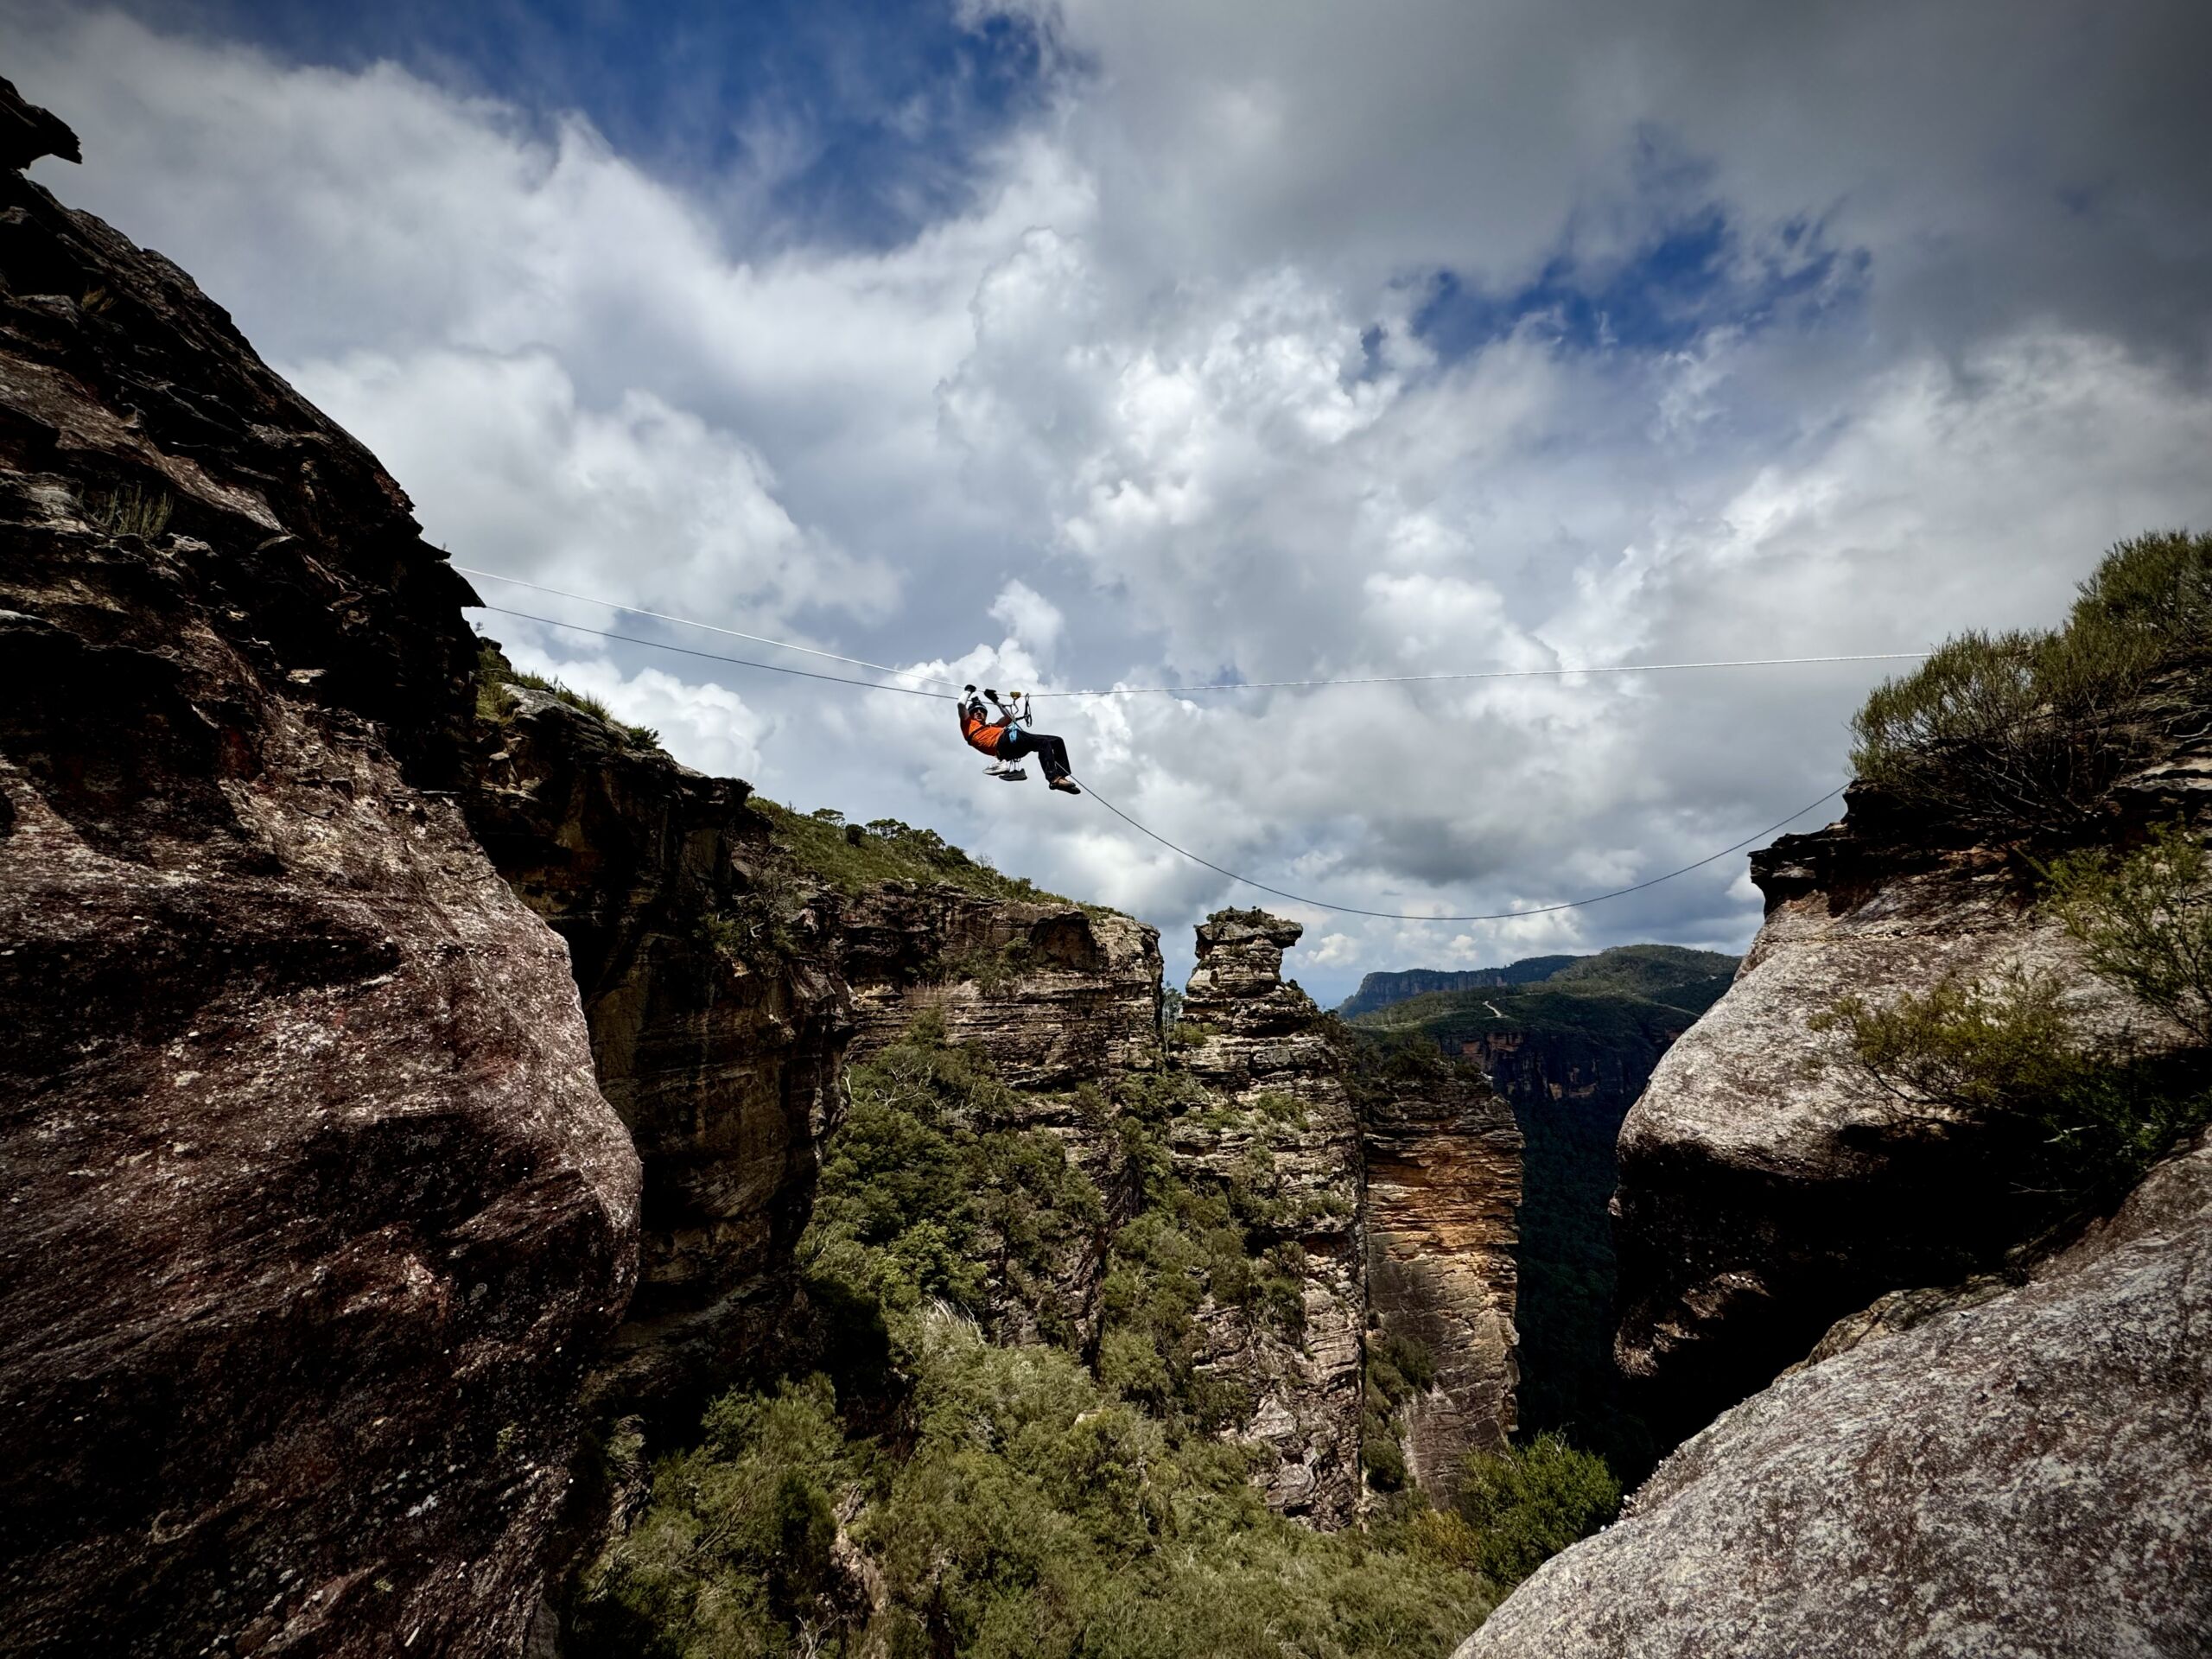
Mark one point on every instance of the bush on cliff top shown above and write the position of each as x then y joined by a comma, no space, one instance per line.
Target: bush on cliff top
2088,1110
2021,734
850,857
494,673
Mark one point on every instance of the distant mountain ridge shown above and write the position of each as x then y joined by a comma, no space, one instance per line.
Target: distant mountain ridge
1380,991
1650,971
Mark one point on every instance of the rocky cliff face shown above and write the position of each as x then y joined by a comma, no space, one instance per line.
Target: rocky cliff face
1768,1187
1054,995
1262,1046
316,1212
1443,1166
2024,1470
716,1021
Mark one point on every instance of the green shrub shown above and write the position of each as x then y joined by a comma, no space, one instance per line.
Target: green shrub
1526,1503
494,673
2022,733
2088,1109
128,510
2147,919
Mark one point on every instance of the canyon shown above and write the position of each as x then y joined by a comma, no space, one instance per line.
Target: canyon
422,1085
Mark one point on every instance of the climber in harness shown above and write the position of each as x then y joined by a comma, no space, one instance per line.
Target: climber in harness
1005,736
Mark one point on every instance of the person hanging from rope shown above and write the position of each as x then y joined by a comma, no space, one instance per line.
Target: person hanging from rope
1002,732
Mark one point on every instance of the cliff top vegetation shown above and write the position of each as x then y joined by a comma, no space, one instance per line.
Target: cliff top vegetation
853,856
2020,735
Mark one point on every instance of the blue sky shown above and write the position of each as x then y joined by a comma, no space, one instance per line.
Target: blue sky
871,113
1180,341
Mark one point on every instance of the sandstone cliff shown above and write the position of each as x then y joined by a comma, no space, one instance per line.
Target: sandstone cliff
717,1022
316,1212
1443,1167
1768,1187
1261,1044
2020,1471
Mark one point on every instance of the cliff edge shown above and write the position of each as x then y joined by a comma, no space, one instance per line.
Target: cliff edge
316,1212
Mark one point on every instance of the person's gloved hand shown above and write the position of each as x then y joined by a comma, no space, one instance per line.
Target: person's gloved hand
992,695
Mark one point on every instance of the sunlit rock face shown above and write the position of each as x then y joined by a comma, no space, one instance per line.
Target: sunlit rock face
315,1213
1443,1164
2023,1469
1256,1042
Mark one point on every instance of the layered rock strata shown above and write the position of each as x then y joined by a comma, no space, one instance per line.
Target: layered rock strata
1262,1046
1443,1170
1055,995
316,1212
716,1021
1768,1186
2024,1470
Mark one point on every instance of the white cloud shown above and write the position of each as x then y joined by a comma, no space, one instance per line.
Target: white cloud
1154,408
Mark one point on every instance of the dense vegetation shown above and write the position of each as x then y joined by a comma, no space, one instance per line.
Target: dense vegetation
852,856
2080,1109
2022,733
961,1467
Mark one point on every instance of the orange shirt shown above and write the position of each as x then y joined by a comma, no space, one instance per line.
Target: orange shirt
981,731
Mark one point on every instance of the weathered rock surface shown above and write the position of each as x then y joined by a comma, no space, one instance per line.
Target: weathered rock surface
1443,1165
716,1023
1056,996
2024,1471
1262,1045
314,1211
1767,1185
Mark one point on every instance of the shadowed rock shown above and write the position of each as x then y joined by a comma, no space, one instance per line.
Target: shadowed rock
315,1213
2024,1471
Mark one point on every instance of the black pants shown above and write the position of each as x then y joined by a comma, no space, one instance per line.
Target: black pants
1051,752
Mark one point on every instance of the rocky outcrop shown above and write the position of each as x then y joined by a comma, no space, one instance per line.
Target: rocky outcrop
1055,995
1767,1185
2024,1470
716,1021
1443,1167
1262,1048
315,1213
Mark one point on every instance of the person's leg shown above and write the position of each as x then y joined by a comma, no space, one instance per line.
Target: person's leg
1052,752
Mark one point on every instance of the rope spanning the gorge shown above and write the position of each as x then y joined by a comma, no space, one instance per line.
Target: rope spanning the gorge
715,657
1184,852
711,628
1134,690
1494,916
1488,674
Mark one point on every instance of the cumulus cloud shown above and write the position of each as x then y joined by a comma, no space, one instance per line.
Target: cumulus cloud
1309,345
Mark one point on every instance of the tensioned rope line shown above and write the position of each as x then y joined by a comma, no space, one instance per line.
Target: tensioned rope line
1184,852
1141,691
1495,916
711,628
1489,674
716,657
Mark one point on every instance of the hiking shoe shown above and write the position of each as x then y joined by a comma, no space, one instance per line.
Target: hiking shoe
1065,785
